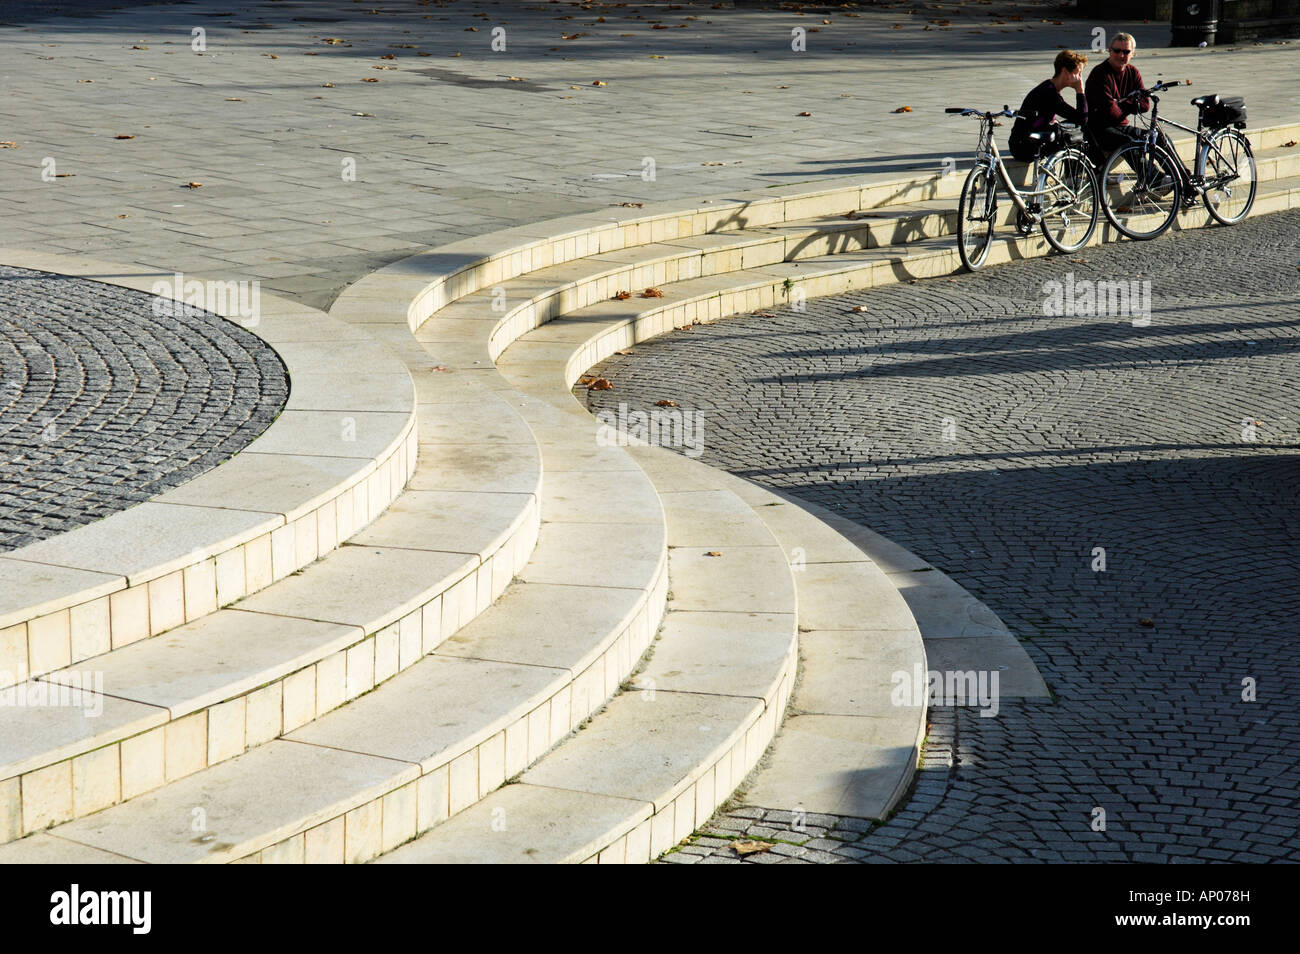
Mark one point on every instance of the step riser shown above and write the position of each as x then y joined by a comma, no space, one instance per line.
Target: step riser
385,822
896,231
136,765
484,269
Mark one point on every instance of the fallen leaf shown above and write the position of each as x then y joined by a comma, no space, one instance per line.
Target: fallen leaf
327,85
124,216
333,40
192,185
631,205
442,367
1146,621
139,47
64,175
388,56
623,351
713,163
383,67
665,403
271,55
712,553
622,296
763,314
600,384
514,79
652,293
571,36
805,114
600,83
85,81
903,109
8,145
123,136
860,308
236,99
743,848
1288,145
470,30
371,79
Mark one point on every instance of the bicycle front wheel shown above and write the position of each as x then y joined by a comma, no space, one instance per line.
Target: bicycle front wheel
1141,190
1070,207
975,214
1227,167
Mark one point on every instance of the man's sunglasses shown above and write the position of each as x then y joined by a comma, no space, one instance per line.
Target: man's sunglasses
1121,52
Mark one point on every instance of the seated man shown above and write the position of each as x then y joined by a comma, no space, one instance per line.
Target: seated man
1044,103
1108,83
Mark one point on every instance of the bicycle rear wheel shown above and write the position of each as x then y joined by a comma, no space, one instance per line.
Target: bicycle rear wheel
1070,207
975,215
1227,167
1141,190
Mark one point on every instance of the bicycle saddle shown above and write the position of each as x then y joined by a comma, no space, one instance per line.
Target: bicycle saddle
1208,100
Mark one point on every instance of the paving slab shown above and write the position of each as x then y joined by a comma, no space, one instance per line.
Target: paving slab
215,658
436,710
721,653
678,736
250,802
525,824
835,765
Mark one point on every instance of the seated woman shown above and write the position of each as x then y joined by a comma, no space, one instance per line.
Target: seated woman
1044,103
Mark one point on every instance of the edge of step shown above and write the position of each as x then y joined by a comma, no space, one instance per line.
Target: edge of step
293,494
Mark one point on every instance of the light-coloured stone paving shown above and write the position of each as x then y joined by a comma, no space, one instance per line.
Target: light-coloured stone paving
311,177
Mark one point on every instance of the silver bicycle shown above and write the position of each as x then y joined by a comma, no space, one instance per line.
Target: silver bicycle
1064,202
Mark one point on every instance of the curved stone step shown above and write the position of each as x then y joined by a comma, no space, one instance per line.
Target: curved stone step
656,762
331,462
207,691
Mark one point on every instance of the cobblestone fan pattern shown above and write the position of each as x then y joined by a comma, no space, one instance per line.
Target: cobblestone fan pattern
1006,446
104,404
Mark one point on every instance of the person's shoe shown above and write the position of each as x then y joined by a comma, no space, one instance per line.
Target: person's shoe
1161,185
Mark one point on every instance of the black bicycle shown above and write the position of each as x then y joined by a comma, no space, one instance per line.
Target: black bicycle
1144,183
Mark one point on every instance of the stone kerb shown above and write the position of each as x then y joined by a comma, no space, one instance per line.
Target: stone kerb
339,453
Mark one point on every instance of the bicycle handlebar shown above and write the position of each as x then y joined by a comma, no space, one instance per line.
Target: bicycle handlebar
1006,111
1158,88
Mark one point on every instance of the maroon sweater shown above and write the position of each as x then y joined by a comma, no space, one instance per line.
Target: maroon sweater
1105,88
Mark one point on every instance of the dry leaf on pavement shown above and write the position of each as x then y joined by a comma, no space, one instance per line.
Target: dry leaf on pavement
665,403
652,293
751,847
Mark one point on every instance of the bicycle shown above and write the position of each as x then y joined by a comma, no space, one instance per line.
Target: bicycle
1145,183
1063,203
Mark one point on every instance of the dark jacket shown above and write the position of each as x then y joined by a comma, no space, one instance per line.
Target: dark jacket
1041,107
1105,89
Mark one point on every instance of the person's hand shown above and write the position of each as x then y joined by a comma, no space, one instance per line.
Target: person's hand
1076,82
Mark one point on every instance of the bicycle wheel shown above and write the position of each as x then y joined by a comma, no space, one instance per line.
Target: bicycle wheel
1142,190
975,214
1227,167
1070,209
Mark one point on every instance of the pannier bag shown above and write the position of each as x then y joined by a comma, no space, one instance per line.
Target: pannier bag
1071,135
1225,111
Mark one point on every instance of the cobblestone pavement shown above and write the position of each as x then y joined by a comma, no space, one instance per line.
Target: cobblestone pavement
338,137
104,404
1173,447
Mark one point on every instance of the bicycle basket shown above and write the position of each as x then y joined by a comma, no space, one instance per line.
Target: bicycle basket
1223,111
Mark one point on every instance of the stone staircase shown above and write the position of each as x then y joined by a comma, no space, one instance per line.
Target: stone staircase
487,629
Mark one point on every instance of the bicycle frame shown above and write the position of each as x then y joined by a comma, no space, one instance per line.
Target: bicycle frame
1203,141
989,155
